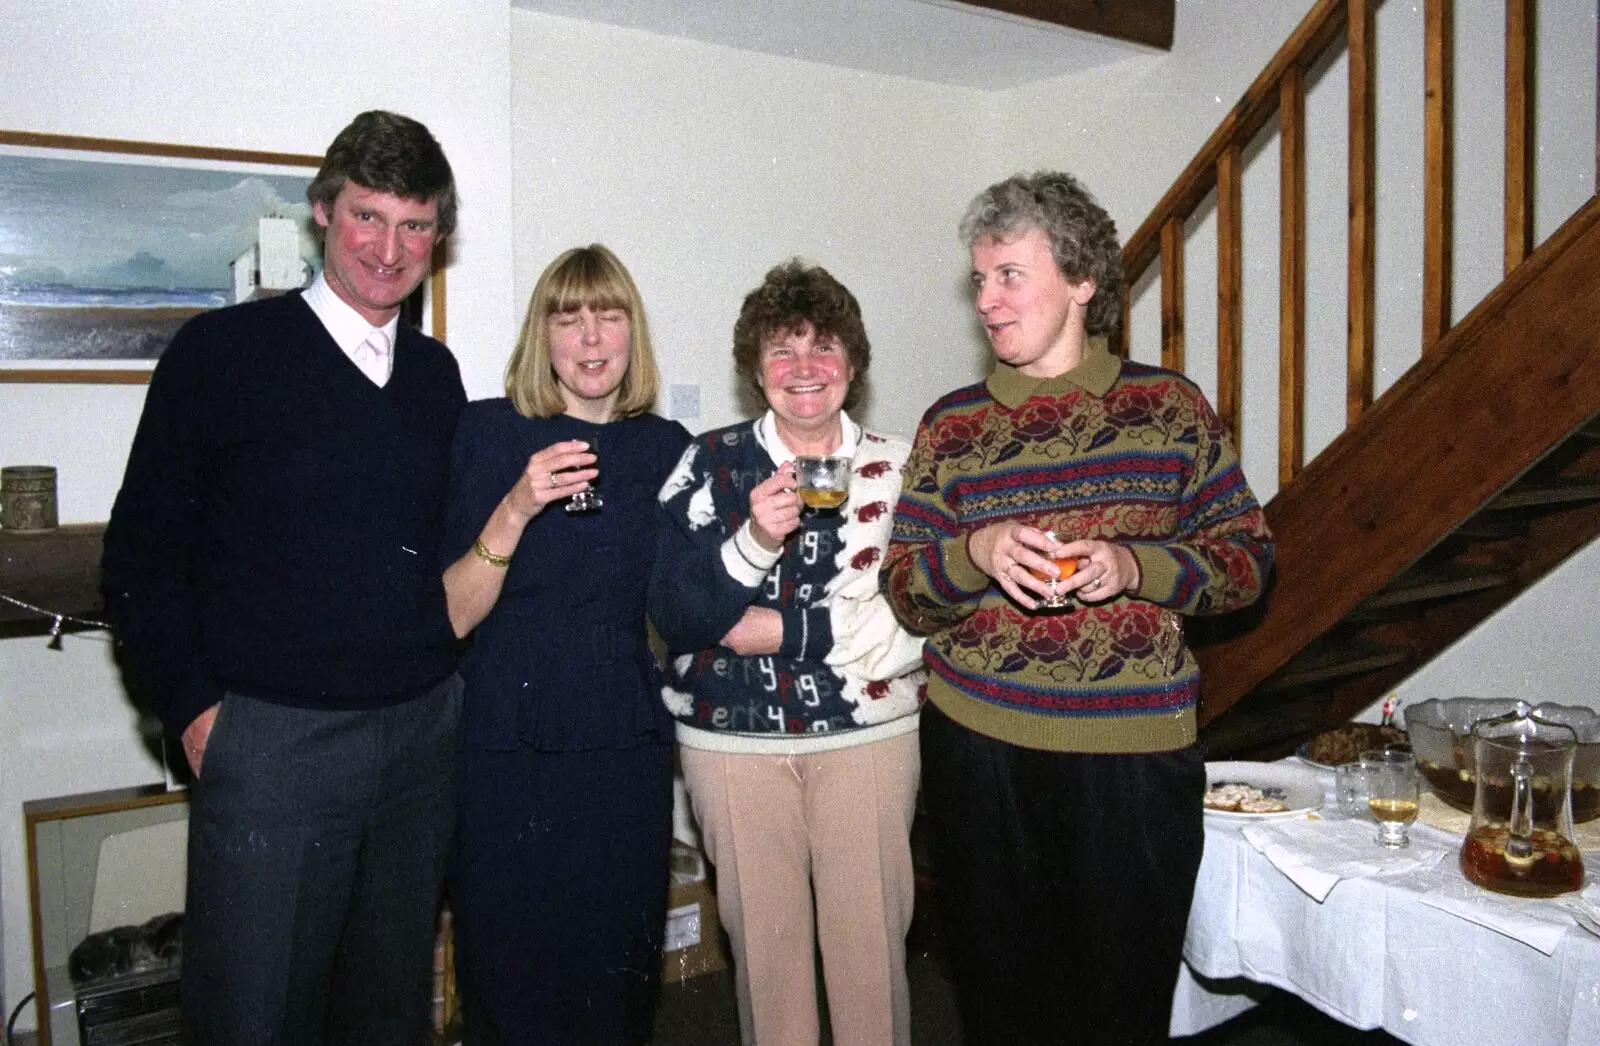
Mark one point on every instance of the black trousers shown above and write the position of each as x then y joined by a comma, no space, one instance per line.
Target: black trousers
559,893
1064,882
318,843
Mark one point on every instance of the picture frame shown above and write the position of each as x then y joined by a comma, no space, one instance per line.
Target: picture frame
108,245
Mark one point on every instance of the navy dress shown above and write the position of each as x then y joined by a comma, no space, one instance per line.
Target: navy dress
560,879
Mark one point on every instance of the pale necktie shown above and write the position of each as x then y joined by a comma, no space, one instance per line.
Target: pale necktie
372,356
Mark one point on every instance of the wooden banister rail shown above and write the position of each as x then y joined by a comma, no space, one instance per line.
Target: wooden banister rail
1363,210
1230,284
1519,133
1280,91
1172,294
1291,274
1438,177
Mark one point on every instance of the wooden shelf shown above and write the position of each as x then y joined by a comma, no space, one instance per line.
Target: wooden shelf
58,570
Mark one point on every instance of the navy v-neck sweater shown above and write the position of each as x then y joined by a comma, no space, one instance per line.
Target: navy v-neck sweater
277,530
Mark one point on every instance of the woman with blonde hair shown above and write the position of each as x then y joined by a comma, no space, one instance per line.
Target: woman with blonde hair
560,880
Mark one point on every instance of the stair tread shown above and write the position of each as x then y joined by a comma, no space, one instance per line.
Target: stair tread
1490,526
1555,491
1416,586
1325,661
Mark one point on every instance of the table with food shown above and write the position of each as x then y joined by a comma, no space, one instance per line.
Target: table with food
1438,878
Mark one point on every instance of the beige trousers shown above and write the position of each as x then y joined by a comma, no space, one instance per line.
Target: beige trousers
837,823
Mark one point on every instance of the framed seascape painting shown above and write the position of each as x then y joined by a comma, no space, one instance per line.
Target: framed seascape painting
108,246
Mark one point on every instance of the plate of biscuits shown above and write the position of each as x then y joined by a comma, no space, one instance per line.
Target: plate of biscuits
1242,791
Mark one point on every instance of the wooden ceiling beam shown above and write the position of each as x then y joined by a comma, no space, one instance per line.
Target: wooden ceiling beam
1147,22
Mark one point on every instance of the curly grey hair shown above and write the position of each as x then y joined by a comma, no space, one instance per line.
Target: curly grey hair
1083,238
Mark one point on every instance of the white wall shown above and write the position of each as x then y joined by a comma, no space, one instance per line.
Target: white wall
702,167
282,77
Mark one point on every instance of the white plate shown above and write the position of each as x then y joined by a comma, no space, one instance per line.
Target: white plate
1297,786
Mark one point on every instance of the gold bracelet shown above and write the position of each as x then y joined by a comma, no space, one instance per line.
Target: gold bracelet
481,550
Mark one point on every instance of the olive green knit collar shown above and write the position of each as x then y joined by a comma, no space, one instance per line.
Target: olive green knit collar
1095,374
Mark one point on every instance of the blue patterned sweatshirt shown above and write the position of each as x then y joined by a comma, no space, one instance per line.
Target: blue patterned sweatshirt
846,673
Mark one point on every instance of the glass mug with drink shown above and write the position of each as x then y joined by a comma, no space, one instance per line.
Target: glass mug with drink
1066,566
822,482
1394,793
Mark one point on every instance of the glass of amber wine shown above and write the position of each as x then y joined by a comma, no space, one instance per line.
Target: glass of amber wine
1066,567
822,482
587,499
1393,792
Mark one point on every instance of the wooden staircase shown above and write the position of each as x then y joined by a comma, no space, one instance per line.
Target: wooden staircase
1473,570
1473,476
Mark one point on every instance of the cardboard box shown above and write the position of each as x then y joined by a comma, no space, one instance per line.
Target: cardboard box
693,944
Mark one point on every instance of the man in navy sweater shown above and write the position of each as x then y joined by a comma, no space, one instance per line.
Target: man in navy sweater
271,565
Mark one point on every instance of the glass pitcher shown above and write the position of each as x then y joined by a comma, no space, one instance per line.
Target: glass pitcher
1521,839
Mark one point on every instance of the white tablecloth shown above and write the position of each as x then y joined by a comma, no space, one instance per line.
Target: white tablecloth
1374,955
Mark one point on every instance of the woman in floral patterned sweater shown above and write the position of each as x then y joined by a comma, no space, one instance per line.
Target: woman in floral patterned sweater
1059,769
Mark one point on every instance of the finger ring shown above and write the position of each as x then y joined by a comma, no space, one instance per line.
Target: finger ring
552,479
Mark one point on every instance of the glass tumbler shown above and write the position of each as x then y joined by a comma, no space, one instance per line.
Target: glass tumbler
1393,794
1350,789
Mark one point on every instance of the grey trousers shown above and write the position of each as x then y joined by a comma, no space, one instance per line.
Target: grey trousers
318,842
